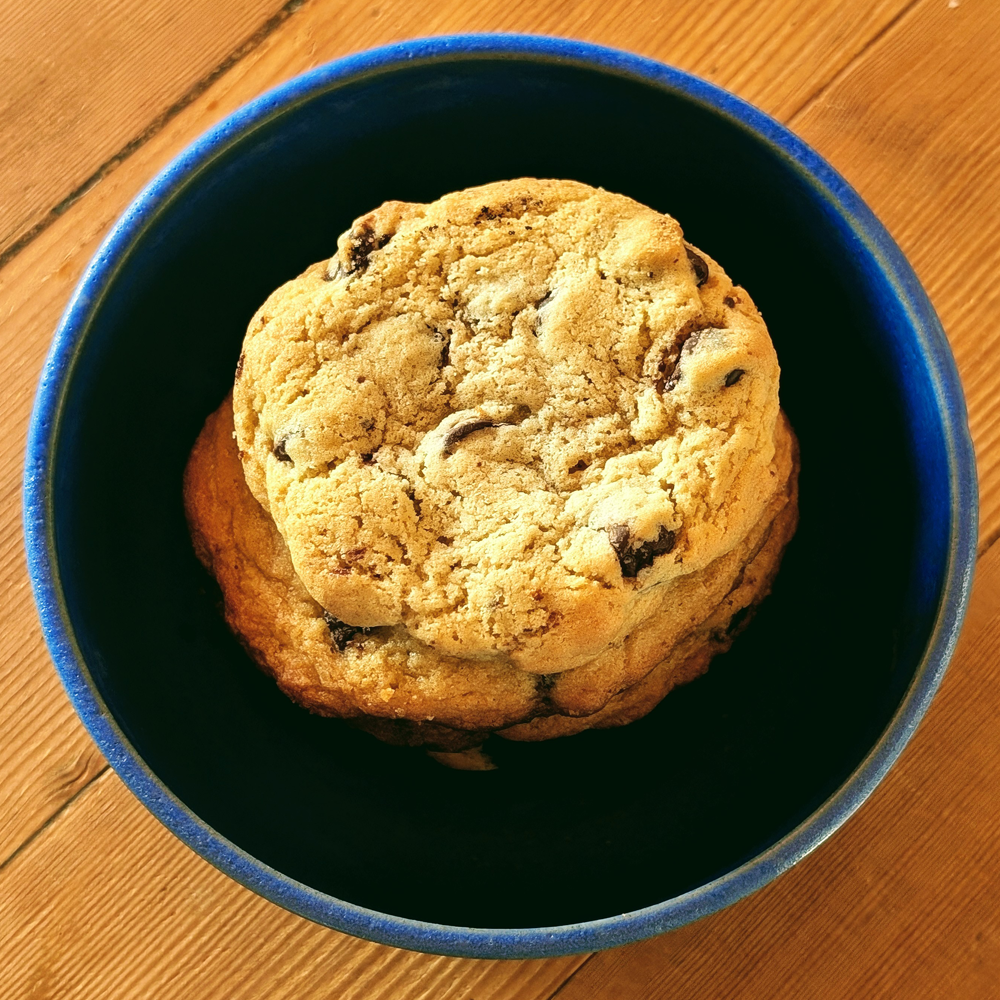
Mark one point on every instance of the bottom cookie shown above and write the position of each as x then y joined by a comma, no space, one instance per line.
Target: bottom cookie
403,692
688,661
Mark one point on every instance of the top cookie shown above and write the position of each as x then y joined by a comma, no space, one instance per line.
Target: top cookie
499,419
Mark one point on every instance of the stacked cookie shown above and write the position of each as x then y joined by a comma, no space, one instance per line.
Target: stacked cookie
509,462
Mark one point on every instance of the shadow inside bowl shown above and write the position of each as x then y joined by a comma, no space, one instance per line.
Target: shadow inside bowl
575,829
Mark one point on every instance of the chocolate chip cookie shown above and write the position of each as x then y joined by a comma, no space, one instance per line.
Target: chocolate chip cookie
405,691
501,420
511,461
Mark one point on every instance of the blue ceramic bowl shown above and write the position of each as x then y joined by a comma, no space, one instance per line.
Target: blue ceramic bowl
575,844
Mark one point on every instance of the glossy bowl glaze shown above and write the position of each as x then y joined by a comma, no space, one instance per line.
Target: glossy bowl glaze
579,843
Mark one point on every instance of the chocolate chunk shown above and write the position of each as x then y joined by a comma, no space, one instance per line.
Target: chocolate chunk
698,265
619,535
464,430
341,632
633,558
730,301
734,376
239,365
445,358
670,371
279,450
363,243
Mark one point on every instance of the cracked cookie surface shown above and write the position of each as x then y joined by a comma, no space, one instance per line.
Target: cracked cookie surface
407,692
498,422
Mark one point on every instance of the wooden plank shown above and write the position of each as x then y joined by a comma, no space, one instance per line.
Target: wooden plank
81,80
900,903
35,284
108,903
913,126
88,896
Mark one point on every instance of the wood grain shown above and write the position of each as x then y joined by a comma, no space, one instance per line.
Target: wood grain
914,127
104,902
35,284
82,83
900,903
81,80
108,903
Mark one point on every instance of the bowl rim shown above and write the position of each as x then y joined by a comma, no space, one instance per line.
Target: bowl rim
851,213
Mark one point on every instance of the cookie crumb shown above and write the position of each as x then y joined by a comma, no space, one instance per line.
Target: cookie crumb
473,759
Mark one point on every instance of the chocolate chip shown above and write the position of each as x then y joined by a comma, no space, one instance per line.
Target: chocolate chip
730,301
619,535
734,376
464,430
342,632
364,241
239,365
633,558
279,450
669,367
698,265
445,339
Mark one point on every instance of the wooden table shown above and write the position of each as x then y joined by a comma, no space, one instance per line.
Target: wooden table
98,900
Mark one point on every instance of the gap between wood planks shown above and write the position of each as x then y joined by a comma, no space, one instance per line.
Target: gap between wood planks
253,42
570,977
241,51
34,835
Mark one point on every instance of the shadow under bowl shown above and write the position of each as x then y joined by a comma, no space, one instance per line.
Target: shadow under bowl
578,843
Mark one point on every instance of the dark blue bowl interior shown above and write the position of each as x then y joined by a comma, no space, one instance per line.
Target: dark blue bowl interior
574,829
